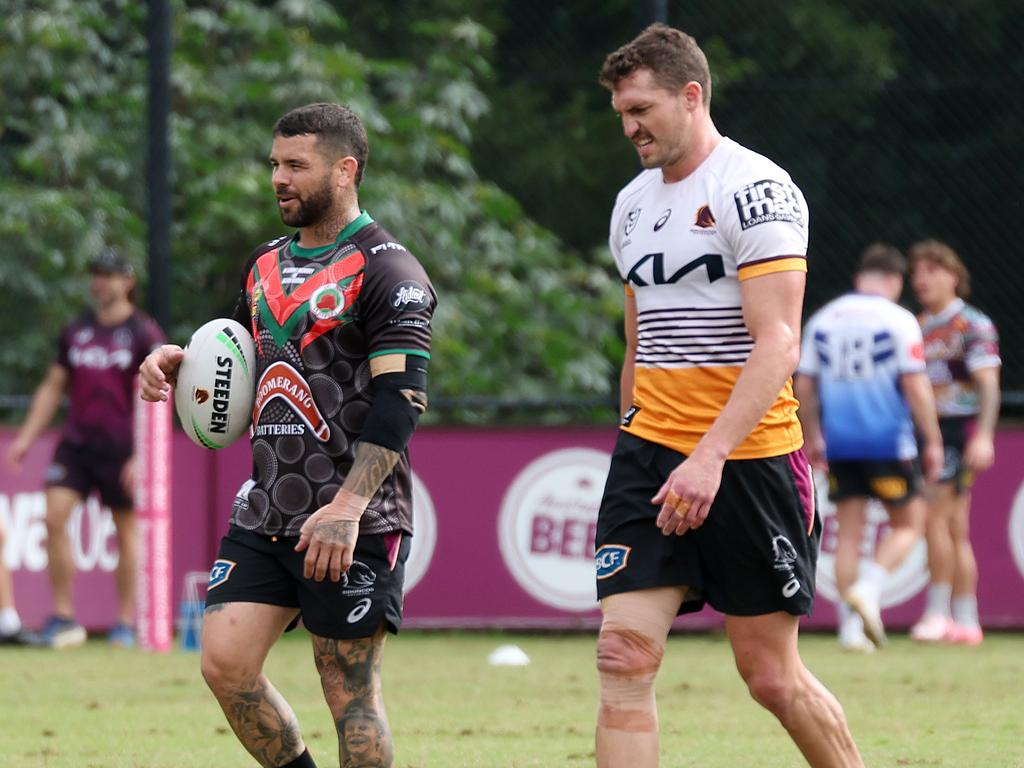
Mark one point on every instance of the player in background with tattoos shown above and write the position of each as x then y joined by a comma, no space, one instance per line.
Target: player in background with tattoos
340,312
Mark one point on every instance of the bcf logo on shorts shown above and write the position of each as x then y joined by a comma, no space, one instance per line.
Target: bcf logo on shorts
219,572
610,559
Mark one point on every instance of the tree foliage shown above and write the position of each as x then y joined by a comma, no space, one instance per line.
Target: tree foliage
899,121
488,134
520,314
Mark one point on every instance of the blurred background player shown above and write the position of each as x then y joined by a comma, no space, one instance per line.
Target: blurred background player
11,630
98,355
709,496
961,348
862,387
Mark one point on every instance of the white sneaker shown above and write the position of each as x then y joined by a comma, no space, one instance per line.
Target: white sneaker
932,628
866,606
853,640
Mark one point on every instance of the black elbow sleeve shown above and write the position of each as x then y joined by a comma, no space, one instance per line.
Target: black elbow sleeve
393,416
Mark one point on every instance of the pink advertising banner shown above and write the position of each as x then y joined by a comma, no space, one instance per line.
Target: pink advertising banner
505,527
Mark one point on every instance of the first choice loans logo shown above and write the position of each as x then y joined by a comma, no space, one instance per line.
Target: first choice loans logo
547,525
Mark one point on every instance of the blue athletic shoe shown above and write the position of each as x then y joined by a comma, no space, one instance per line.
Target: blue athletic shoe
122,636
59,632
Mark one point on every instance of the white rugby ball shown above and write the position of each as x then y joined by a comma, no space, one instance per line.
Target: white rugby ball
216,384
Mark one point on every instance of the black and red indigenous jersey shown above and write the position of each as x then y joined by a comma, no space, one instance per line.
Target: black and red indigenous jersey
318,316
102,361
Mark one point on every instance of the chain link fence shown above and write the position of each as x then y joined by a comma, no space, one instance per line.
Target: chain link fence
900,121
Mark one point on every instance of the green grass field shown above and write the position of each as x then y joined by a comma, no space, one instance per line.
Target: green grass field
97,707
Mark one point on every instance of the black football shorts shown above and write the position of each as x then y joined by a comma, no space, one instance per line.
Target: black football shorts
954,440
755,554
892,481
252,568
85,468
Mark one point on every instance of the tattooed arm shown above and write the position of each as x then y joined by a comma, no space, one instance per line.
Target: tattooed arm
329,535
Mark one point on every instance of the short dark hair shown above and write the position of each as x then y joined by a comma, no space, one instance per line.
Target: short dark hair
338,130
672,56
938,253
882,257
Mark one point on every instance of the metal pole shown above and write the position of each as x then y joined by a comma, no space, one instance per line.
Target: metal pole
158,164
659,11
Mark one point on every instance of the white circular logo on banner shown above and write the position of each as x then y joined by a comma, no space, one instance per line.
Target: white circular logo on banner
1017,529
425,524
547,524
902,584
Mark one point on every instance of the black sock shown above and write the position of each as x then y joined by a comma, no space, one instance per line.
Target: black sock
304,760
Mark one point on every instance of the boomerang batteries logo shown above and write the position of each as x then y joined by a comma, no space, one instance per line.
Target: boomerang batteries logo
282,381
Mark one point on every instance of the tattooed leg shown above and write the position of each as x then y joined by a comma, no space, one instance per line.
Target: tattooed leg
263,721
350,675
236,640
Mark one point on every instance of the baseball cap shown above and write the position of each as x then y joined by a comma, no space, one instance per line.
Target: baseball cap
111,262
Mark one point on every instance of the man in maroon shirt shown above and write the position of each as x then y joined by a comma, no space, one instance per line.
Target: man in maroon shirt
98,355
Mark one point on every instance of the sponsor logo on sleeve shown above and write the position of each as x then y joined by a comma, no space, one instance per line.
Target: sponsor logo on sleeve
220,572
766,201
388,246
409,296
610,559
410,322
631,219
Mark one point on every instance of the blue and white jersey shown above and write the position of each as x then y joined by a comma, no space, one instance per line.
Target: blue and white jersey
857,347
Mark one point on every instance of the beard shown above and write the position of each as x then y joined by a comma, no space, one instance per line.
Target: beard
312,208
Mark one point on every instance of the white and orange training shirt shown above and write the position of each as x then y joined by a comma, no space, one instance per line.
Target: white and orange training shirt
682,250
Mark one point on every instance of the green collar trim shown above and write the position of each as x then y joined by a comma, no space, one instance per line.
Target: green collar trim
360,221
